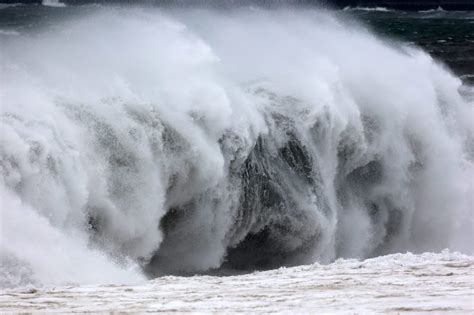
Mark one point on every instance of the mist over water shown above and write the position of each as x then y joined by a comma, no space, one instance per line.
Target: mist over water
137,143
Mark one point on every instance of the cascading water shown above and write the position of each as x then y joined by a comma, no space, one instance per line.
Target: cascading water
184,140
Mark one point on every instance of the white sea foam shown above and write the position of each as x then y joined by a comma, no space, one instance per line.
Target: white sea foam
437,283
369,9
438,9
53,3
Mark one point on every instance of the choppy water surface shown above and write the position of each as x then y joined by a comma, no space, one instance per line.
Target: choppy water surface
446,35
434,283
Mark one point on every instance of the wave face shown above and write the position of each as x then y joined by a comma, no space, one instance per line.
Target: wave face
177,141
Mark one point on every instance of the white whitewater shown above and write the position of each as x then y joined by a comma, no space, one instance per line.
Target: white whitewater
394,284
177,141
53,3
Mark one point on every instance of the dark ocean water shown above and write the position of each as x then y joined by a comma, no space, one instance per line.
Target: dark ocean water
446,35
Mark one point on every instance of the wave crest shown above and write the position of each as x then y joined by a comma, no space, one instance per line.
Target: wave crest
187,140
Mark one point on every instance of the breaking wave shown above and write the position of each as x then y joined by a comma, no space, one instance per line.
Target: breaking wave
178,141
377,9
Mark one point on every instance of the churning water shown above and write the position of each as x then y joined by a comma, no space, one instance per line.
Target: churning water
140,142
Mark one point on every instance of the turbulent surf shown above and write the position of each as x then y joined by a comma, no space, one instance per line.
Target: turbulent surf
139,143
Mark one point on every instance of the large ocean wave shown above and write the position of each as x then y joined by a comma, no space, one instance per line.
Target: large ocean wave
177,141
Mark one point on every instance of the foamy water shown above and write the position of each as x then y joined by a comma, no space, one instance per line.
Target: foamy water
435,283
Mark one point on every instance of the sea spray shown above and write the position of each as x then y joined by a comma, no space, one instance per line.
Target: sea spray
184,140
